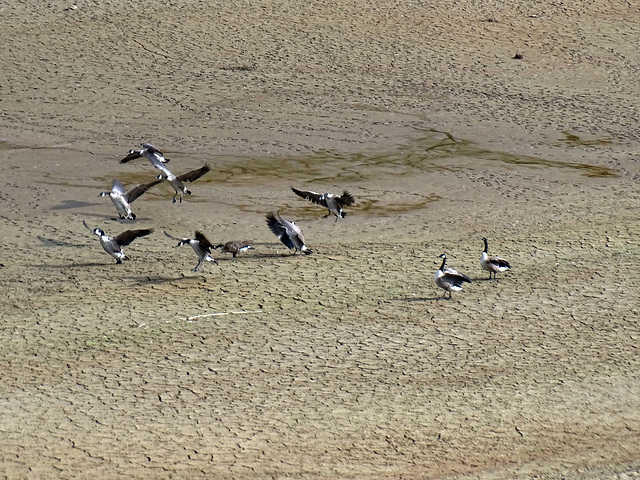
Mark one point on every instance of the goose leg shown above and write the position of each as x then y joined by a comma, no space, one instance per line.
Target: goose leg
198,267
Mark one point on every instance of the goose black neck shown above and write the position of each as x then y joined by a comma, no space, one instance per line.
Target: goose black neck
444,259
486,246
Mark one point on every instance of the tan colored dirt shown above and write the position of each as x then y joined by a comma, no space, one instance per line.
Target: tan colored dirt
344,363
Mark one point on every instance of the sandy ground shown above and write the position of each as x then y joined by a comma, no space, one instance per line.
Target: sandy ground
344,363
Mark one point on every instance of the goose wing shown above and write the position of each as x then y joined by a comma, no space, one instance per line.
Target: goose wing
279,230
346,199
455,276
160,166
150,147
314,197
118,187
132,155
203,241
138,190
293,232
128,236
499,262
174,238
193,175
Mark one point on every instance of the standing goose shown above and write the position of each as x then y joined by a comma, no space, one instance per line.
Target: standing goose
148,151
235,246
114,246
332,202
288,232
200,244
176,181
492,264
449,279
122,199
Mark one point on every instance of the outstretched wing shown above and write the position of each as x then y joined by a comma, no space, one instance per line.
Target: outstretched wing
279,230
193,175
118,187
346,199
160,166
203,241
138,190
172,237
152,149
128,236
133,154
314,197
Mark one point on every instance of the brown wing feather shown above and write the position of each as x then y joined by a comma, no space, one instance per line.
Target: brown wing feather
203,241
500,262
193,175
131,156
128,236
311,196
138,190
347,199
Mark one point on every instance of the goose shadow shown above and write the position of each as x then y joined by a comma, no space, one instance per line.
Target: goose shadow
72,265
52,242
69,204
148,280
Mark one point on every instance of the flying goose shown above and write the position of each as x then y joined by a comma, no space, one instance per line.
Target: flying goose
176,181
332,202
122,198
148,151
200,244
449,279
235,246
288,232
492,264
114,246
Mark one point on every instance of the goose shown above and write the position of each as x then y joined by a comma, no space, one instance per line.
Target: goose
492,264
235,246
449,279
114,246
148,151
332,202
122,198
288,232
176,181
200,244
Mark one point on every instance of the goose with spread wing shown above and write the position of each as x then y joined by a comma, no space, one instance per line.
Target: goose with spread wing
122,199
200,244
177,181
148,151
288,232
448,279
114,245
334,203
